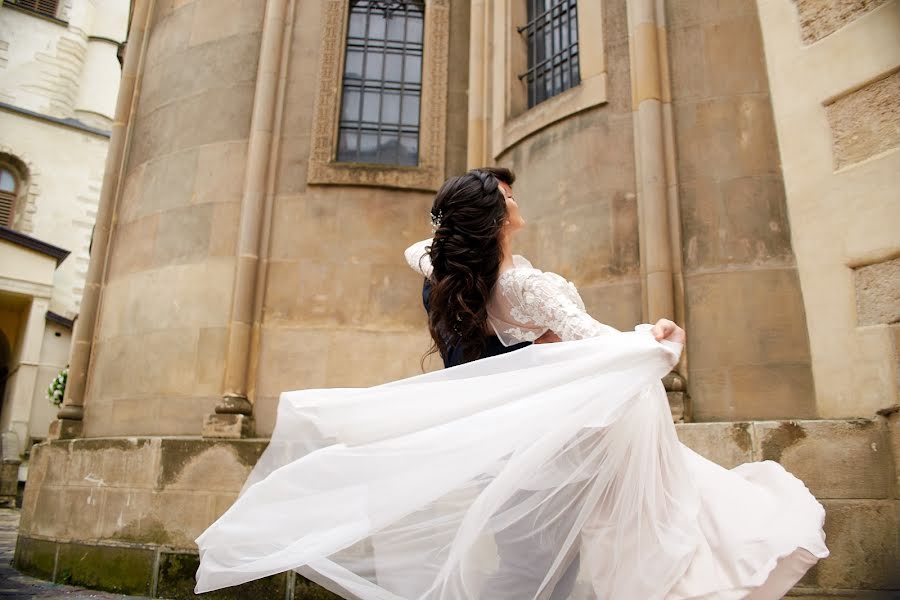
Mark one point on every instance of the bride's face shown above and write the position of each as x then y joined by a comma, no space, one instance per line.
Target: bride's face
514,218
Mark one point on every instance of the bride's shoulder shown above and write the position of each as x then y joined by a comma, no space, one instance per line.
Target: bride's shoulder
524,276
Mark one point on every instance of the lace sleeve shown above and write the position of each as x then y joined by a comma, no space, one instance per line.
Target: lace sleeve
417,257
548,305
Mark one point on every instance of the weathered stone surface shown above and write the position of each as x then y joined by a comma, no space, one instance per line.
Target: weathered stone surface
820,18
35,557
176,581
749,358
726,444
862,537
878,291
865,122
111,568
835,459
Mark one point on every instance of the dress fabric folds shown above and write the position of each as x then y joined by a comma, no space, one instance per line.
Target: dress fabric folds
485,481
547,473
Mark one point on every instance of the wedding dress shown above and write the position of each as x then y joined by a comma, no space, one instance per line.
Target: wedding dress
550,472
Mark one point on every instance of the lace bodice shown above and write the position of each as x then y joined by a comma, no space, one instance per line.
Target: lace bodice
527,302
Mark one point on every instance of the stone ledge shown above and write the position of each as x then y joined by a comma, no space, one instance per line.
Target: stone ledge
157,573
142,501
857,452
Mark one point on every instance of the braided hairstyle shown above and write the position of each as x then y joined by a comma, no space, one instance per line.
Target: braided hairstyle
468,212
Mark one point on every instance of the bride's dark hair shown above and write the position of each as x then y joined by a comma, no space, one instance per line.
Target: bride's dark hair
468,211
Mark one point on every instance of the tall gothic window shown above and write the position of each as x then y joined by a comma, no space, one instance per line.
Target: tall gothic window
9,188
382,85
551,34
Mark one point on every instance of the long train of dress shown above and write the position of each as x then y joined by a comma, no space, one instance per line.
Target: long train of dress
499,478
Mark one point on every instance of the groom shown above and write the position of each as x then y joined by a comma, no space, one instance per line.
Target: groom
524,561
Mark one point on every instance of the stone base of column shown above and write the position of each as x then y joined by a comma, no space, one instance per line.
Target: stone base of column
228,426
65,429
9,483
679,400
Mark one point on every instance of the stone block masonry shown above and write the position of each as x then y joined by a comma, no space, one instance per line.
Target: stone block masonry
121,514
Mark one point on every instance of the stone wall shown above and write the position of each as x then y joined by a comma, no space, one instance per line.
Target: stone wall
835,109
157,357
138,503
749,354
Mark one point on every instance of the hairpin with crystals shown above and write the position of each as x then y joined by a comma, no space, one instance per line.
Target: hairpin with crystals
436,221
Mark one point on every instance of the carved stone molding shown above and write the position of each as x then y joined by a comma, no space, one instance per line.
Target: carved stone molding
429,173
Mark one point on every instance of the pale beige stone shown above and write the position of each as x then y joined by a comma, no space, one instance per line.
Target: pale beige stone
170,34
183,235
746,317
866,121
139,236
734,59
862,538
215,20
878,292
726,444
731,136
220,173
616,304
835,459
854,205
772,391
350,352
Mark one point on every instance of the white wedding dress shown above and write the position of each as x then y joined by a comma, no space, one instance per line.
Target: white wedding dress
550,472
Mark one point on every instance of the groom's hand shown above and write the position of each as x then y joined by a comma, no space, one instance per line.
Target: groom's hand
667,330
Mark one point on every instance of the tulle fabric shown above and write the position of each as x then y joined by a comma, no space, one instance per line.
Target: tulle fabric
551,472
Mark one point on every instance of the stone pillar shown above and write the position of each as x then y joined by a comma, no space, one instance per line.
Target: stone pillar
100,72
657,192
233,414
21,384
69,419
477,154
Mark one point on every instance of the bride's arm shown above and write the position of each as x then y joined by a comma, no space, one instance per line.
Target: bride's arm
544,304
417,257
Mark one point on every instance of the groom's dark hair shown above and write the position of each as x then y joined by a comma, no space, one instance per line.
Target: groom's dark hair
502,173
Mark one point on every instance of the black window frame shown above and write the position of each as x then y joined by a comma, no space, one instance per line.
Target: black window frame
408,51
551,38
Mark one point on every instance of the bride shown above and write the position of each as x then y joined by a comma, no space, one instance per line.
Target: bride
544,471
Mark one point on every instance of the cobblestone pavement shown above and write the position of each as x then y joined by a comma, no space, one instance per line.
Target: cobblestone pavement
15,586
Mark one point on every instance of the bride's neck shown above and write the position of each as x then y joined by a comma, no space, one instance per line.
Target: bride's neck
506,262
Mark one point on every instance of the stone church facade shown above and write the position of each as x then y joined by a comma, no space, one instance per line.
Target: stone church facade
730,164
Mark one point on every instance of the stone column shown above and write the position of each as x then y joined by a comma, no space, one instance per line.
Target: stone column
69,419
654,148
477,154
100,72
21,384
233,414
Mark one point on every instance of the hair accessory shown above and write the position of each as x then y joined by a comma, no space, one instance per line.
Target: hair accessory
436,221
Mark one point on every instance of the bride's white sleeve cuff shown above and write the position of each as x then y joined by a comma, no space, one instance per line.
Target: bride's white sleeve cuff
418,259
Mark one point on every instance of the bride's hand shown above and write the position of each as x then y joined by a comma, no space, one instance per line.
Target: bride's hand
667,330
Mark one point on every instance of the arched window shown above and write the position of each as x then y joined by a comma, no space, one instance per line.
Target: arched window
551,34
9,191
382,83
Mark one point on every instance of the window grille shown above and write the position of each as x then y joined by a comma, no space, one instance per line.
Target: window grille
46,8
551,35
382,84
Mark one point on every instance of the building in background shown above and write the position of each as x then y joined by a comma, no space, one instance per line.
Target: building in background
733,164
59,79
